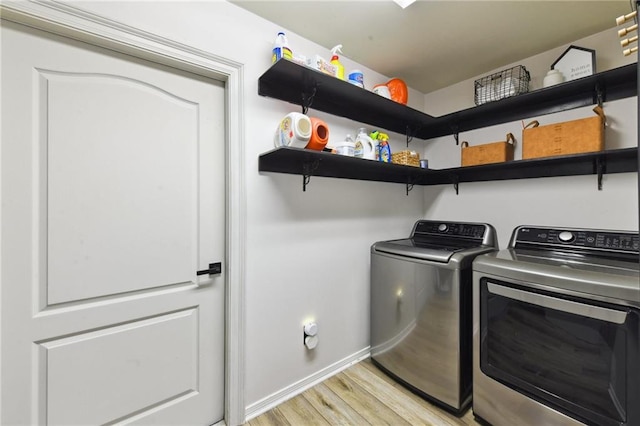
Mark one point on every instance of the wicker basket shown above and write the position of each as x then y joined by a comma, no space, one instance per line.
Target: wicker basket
406,157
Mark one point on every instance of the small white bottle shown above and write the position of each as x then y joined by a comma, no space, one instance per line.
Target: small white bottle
281,48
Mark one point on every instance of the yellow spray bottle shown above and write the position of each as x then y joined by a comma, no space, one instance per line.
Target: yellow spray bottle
335,60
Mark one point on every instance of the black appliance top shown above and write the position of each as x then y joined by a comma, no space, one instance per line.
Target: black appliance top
573,242
594,264
438,241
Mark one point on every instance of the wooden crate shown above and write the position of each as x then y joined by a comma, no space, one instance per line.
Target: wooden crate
496,152
565,138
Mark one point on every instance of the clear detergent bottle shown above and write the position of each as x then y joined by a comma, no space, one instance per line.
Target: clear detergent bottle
281,48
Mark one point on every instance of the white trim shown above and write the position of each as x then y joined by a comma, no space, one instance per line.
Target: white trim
297,388
69,21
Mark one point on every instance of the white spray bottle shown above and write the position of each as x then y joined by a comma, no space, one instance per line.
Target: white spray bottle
335,60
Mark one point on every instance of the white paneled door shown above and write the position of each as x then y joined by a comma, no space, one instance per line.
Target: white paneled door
113,197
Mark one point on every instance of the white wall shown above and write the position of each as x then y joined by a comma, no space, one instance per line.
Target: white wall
558,201
307,252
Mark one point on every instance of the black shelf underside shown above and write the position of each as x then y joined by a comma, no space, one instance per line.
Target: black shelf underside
293,83
314,163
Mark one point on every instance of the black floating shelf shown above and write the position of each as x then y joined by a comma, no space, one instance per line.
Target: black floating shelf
314,163
618,83
300,85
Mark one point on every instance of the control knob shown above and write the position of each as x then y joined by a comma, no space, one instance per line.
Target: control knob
566,236
442,227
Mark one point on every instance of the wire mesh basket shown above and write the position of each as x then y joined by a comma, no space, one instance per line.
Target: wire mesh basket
504,84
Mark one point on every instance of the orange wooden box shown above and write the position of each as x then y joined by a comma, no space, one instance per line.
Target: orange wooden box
568,137
496,152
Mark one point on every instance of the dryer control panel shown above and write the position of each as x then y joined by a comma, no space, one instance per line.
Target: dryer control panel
571,239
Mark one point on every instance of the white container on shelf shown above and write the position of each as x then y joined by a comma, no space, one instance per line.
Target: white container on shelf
294,130
346,147
552,78
365,148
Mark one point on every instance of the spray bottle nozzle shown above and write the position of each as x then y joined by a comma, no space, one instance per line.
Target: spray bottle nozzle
336,49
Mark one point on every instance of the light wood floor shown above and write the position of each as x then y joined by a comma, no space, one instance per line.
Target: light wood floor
359,395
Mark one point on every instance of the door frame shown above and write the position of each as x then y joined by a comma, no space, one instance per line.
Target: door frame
69,21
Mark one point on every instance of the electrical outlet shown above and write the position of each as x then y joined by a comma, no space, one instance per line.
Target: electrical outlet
309,335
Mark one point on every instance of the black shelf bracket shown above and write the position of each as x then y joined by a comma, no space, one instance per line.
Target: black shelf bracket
455,131
409,139
456,184
601,169
307,97
409,188
599,94
307,171
411,133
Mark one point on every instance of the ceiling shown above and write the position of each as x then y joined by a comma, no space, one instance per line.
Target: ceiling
432,44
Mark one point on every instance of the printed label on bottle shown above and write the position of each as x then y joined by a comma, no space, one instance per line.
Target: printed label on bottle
359,151
357,77
281,52
384,154
286,132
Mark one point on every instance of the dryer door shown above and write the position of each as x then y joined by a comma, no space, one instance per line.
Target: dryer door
576,356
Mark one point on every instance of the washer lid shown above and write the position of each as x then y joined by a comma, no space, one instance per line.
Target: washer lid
436,250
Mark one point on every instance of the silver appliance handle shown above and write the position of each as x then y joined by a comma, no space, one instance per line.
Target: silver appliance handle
596,312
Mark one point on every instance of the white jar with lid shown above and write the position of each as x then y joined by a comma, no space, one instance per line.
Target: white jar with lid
346,147
553,77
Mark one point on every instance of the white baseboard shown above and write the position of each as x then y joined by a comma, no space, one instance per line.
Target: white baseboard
297,388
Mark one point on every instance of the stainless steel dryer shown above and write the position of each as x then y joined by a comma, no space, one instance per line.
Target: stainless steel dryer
557,329
421,308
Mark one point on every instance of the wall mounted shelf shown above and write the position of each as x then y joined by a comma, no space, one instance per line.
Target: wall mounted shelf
308,88
309,163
